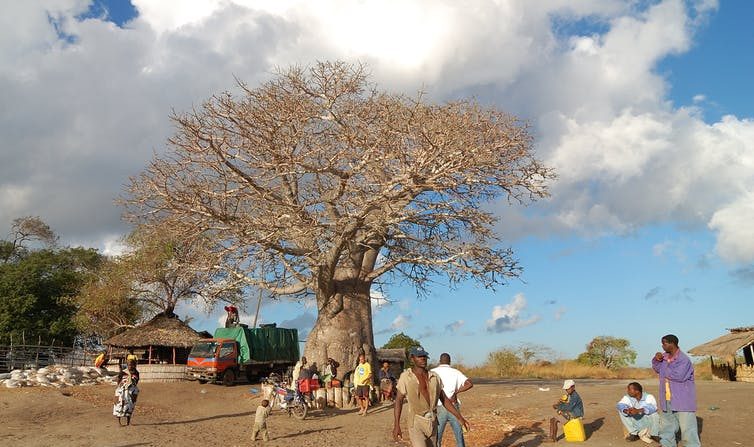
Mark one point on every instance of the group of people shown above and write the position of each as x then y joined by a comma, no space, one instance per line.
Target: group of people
639,412
432,403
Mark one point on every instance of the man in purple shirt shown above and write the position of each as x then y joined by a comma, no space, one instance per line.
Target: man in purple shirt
677,396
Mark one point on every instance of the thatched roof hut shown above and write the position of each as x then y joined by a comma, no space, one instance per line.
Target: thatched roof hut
164,338
725,349
391,355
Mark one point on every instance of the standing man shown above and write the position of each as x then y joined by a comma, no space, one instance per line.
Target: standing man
297,368
387,382
362,378
422,389
677,394
454,382
638,413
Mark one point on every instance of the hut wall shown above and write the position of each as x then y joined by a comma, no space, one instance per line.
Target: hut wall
722,373
745,373
162,373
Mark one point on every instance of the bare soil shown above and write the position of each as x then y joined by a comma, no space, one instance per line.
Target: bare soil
502,412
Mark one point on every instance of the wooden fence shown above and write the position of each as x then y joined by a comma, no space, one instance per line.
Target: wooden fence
36,356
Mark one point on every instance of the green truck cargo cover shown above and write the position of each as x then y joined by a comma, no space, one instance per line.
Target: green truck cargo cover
268,344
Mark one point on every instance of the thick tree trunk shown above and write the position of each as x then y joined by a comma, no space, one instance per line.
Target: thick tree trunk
344,327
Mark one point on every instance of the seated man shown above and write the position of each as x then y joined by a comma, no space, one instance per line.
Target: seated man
638,413
569,406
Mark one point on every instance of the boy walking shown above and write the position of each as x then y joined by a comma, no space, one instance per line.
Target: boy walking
260,421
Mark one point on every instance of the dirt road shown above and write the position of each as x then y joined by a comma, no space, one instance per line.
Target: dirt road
502,413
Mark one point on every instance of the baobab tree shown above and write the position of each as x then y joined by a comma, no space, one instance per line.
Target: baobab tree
318,183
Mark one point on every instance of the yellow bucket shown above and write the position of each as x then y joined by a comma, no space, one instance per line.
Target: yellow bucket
574,430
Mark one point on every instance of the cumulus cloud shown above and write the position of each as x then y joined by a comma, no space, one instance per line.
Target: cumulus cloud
86,102
511,316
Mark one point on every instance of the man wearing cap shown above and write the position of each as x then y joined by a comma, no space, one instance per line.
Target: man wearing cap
569,406
677,394
454,382
231,320
422,390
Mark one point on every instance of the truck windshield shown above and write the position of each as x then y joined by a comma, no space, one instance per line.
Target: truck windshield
203,350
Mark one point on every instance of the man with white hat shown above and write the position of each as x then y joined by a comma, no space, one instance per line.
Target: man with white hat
569,406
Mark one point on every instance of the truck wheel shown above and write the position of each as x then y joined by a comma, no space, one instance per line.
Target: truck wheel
229,378
201,381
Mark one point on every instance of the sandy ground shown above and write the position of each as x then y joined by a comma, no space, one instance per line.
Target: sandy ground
502,413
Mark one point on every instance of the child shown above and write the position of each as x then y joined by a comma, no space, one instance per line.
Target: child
260,421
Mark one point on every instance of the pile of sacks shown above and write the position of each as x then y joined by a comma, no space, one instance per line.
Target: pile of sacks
58,377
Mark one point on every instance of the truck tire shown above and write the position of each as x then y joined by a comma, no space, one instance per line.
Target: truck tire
201,381
229,378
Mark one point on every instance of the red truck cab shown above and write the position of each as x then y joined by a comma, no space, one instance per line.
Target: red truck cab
213,360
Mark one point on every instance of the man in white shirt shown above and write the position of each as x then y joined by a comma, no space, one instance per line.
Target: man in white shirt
300,365
638,413
454,382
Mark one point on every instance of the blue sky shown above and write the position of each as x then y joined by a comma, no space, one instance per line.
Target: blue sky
643,108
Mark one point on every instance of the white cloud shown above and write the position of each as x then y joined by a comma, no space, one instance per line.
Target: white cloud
511,316
379,300
401,322
559,313
734,224
660,248
83,114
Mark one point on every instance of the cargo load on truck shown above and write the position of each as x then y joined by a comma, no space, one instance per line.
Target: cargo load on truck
263,345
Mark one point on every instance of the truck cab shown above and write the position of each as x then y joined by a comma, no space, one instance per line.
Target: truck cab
214,360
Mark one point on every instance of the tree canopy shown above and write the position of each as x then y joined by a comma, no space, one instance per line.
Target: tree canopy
608,352
37,284
317,183
401,340
156,272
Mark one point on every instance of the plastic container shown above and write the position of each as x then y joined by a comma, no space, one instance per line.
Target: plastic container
574,431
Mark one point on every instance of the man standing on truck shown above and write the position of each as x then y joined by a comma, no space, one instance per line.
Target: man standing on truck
232,319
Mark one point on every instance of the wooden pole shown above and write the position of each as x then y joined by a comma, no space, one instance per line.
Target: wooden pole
149,360
173,355
259,304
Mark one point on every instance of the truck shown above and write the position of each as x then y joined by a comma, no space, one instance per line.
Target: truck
242,351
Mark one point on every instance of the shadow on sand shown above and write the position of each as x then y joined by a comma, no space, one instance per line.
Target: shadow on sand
308,432
538,433
209,418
